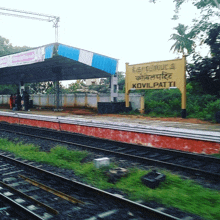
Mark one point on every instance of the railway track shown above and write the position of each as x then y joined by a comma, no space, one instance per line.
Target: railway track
35,193
27,197
193,164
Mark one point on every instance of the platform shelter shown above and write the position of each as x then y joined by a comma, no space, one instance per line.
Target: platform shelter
57,62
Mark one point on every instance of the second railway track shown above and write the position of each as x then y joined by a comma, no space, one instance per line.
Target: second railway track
24,188
194,164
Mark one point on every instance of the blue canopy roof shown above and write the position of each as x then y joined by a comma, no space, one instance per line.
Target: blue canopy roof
55,62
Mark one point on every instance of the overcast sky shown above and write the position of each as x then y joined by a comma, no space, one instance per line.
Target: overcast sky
133,31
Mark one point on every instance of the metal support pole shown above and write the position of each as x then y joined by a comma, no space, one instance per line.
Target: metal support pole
57,95
183,90
127,104
56,28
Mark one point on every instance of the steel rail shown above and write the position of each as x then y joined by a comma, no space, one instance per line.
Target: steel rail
53,211
192,171
51,190
20,210
128,203
131,145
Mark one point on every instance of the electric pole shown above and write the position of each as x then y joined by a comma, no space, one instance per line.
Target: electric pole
32,15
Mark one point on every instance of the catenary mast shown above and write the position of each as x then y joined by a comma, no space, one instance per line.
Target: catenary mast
40,17
32,15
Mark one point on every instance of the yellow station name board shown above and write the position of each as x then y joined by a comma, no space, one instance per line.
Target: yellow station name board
157,75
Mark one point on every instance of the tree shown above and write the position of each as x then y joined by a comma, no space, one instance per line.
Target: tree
121,81
214,40
103,87
6,48
209,10
200,4
8,89
73,87
44,88
206,71
40,88
183,40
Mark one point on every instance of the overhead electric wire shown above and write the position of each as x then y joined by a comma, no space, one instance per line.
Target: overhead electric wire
23,16
28,12
41,17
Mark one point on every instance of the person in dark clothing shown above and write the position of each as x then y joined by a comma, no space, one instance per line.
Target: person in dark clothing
25,99
18,101
14,97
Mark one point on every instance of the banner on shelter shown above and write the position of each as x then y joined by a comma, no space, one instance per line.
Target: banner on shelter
23,58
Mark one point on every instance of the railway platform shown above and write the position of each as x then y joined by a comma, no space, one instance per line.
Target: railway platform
190,137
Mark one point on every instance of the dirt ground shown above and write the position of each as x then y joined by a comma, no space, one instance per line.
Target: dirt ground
89,111
86,111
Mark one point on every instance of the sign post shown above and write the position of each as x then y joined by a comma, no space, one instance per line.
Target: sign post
157,75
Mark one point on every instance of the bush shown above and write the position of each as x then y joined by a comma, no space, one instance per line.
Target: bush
163,102
168,103
203,106
213,107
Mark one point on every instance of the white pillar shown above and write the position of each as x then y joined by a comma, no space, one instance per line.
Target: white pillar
114,88
21,87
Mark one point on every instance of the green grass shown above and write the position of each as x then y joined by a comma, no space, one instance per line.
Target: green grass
216,155
176,192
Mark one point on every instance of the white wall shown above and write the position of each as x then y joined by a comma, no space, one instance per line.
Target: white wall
4,99
77,99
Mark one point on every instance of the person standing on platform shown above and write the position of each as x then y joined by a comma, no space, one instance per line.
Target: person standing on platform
11,101
18,97
16,102
25,98
14,97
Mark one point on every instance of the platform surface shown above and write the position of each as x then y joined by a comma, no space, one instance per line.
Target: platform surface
126,120
198,137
